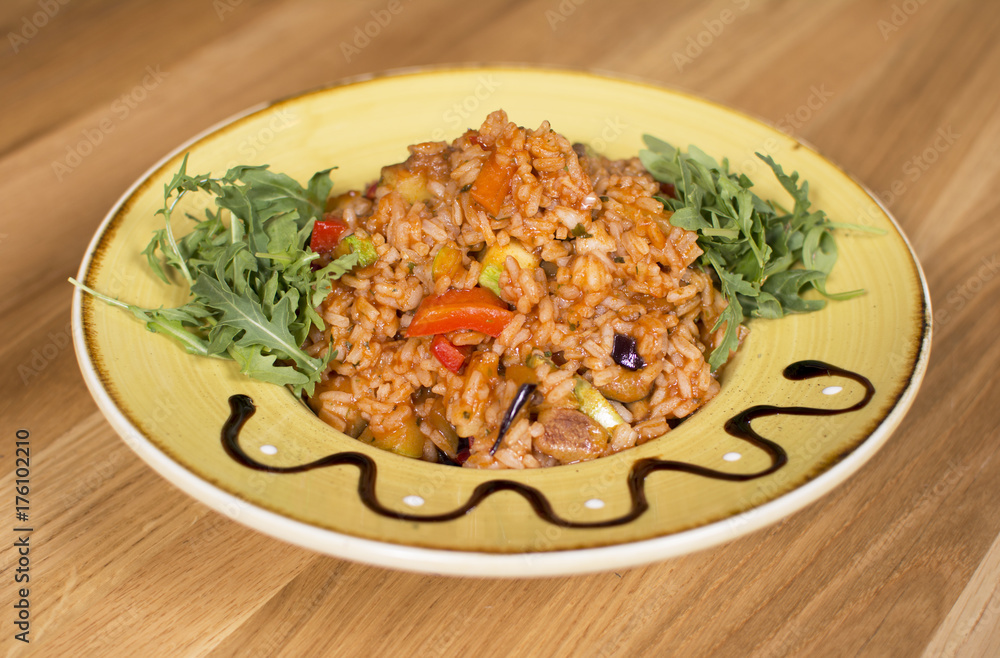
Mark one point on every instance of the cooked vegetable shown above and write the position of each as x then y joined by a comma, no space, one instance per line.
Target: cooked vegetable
411,185
405,439
595,405
464,450
447,262
326,234
254,290
521,375
520,399
477,309
630,386
754,246
447,440
492,184
451,357
624,353
570,436
495,259
363,247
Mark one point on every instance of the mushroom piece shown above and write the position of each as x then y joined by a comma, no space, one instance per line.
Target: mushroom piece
630,386
570,436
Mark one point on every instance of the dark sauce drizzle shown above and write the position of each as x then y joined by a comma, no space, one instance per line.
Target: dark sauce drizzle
739,426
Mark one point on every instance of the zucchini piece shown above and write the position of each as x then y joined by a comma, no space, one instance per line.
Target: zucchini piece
595,405
494,259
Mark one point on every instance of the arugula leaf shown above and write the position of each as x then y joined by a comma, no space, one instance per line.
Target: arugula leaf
766,259
254,289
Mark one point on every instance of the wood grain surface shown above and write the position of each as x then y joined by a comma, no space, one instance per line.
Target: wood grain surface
902,560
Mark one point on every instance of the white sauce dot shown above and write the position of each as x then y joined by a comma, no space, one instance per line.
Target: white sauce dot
268,449
732,456
832,390
594,503
413,501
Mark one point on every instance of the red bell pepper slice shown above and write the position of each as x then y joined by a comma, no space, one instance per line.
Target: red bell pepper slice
492,184
326,234
451,357
476,309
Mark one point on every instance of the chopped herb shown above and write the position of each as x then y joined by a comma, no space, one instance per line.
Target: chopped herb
619,259
410,266
579,231
466,188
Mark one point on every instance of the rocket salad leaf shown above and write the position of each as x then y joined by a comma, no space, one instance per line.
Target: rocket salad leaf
766,258
254,289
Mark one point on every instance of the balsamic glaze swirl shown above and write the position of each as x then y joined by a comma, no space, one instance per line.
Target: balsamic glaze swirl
242,408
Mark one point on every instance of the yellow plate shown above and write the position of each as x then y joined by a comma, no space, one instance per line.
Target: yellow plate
628,509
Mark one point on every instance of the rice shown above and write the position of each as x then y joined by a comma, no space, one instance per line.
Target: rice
610,265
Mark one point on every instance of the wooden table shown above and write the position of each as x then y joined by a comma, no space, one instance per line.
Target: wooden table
904,558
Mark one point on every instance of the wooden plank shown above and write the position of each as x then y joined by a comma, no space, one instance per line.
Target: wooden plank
903,559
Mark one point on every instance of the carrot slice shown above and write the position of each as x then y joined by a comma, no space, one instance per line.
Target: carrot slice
492,184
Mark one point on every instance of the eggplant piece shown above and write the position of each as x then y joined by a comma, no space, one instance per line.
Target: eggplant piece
520,400
625,354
